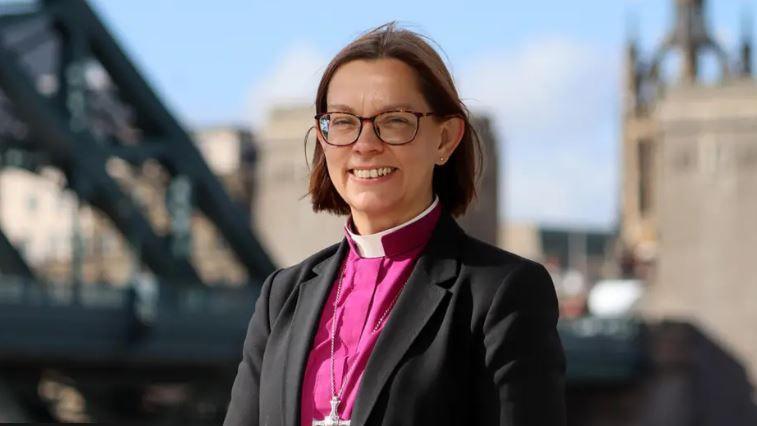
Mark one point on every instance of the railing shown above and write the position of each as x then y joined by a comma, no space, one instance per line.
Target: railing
146,323
15,290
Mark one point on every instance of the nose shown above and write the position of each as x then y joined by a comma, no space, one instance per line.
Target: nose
367,140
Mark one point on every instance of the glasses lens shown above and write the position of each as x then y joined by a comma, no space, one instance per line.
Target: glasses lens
339,128
397,127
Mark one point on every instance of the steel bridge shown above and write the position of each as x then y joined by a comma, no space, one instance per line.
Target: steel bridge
100,338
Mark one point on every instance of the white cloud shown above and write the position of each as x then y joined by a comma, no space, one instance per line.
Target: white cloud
555,104
543,84
292,79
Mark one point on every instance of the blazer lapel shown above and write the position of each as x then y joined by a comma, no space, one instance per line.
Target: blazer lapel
416,304
312,295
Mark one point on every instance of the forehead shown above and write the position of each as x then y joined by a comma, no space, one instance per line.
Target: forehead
369,86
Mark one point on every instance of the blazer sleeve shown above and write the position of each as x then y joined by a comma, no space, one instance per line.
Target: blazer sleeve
523,352
244,405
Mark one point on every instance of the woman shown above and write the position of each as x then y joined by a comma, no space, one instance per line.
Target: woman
408,320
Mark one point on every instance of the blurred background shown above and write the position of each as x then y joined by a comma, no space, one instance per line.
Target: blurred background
153,173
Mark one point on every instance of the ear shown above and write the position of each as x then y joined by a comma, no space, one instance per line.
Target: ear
316,140
453,130
314,128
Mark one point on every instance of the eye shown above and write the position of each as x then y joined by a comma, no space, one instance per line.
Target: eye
342,120
398,120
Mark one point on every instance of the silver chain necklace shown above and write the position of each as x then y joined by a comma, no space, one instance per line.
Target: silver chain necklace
333,418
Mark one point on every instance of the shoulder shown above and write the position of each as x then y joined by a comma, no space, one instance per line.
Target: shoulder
484,269
492,274
284,280
485,261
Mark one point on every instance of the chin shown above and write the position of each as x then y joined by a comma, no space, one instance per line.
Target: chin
373,203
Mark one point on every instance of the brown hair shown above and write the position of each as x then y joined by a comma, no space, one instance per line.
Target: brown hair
453,182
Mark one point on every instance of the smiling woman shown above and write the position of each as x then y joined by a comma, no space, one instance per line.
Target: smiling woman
383,92
408,320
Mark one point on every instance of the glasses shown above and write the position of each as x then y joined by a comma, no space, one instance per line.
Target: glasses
392,127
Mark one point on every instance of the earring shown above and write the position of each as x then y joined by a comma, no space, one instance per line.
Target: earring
441,159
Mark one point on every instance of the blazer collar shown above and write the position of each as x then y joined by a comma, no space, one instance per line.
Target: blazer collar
424,291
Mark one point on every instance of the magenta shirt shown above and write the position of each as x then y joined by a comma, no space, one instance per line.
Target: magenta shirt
369,287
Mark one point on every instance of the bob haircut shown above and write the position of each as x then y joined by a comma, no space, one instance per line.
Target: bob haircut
454,182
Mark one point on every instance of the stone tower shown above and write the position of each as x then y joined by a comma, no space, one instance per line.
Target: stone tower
690,184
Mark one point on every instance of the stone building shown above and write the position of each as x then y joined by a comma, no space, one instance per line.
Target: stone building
690,184
284,220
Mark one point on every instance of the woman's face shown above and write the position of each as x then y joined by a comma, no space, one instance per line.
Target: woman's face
366,88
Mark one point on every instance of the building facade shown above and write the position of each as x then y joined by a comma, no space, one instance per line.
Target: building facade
690,183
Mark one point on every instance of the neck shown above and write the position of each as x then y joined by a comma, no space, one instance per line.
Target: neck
370,223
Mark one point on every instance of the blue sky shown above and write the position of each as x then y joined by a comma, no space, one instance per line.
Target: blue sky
547,71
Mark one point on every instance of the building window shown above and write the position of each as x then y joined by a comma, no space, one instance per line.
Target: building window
646,157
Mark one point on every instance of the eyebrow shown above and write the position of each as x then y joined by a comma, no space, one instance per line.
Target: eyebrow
390,107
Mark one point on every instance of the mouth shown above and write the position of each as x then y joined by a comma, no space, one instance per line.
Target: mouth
374,173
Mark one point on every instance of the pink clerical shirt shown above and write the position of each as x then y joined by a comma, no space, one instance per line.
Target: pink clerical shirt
375,270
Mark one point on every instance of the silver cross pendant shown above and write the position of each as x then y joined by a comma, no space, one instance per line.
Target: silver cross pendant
333,418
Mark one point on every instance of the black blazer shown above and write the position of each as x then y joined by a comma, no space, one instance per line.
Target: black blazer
471,340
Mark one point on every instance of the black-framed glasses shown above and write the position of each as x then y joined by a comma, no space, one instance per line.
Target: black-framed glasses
392,127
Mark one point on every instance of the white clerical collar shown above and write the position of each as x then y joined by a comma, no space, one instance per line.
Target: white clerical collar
371,246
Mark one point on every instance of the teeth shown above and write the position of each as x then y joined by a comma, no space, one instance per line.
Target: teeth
372,173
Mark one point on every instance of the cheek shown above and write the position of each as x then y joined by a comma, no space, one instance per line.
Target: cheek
420,160
334,162
417,167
